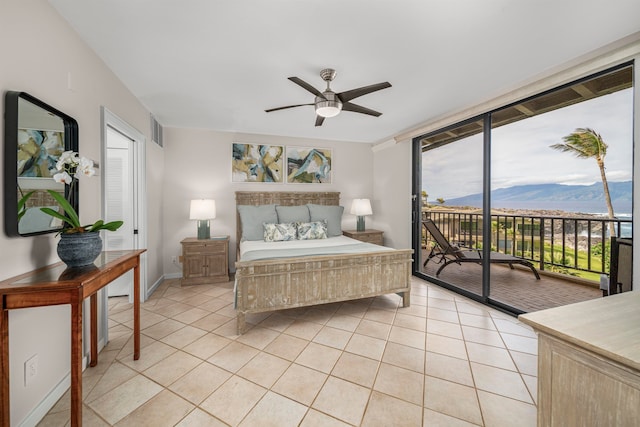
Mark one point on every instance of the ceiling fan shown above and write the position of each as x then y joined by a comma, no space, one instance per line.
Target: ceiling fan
329,103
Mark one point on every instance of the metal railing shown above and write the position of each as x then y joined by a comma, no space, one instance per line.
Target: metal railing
552,242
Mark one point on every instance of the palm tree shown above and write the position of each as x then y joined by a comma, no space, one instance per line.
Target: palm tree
586,143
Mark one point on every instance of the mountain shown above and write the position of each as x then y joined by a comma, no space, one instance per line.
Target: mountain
572,198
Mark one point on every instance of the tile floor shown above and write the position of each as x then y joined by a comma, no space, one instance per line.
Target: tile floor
444,361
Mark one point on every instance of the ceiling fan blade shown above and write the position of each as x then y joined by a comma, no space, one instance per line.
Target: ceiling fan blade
319,120
354,93
284,108
307,86
348,106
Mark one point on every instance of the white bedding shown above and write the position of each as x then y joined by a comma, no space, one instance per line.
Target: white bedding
331,242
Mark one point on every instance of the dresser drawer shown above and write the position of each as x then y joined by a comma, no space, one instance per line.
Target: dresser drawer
208,247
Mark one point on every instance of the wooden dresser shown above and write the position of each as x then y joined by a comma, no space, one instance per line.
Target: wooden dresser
368,235
205,261
589,362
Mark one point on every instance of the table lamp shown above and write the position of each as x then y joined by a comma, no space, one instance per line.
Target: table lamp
203,210
360,208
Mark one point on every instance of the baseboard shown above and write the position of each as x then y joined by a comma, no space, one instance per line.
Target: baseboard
173,276
42,409
154,287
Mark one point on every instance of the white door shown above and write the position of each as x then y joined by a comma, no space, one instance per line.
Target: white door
120,197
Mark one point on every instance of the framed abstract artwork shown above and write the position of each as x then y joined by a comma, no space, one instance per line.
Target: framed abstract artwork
306,165
257,163
38,152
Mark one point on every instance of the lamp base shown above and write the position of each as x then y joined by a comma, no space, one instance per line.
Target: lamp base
204,232
360,224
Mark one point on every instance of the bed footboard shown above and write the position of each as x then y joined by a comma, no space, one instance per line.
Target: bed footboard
277,284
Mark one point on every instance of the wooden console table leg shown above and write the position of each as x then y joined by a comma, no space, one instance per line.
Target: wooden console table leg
5,407
93,299
136,310
76,358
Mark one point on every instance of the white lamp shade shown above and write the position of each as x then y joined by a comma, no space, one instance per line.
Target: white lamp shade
202,209
361,207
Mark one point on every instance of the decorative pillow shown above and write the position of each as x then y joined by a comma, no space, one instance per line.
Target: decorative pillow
293,214
252,218
280,232
333,215
312,230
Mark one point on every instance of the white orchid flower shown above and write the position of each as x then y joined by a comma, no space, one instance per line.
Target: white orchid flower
85,168
63,177
65,158
71,166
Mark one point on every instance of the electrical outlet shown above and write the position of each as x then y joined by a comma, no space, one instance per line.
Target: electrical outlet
174,259
30,370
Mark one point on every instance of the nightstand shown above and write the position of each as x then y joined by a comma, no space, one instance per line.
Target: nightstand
368,236
205,261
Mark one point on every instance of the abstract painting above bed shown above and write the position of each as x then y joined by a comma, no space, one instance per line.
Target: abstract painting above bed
257,163
308,165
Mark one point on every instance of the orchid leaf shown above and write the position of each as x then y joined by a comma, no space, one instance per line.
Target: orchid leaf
95,226
58,215
23,200
101,225
72,216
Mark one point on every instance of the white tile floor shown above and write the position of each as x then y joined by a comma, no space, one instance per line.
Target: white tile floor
444,361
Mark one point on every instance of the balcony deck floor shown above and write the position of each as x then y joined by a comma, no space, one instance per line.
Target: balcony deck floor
518,287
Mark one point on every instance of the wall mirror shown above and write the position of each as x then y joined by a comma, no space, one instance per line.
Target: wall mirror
35,135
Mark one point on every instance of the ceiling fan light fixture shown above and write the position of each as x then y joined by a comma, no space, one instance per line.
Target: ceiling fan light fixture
329,103
328,108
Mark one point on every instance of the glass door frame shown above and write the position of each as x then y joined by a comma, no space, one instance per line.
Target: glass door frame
417,210
486,119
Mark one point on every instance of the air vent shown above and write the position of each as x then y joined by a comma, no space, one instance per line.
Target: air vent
156,131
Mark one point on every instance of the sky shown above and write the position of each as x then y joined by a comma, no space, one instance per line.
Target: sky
521,152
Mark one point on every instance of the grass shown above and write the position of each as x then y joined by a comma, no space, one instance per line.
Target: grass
555,261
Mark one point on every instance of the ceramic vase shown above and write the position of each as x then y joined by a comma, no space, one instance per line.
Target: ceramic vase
79,249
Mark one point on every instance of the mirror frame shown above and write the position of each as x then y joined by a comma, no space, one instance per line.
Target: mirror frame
11,197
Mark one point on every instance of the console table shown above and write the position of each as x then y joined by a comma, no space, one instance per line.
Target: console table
55,285
589,362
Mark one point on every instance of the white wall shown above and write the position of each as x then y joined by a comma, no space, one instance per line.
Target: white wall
392,166
199,166
41,53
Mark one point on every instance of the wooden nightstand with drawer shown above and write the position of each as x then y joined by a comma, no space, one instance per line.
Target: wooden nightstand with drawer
368,236
205,261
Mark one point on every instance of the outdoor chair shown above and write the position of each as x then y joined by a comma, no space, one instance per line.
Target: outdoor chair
449,254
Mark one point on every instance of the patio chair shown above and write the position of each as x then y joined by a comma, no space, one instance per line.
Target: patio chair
450,254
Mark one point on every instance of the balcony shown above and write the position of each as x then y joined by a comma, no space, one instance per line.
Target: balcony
571,253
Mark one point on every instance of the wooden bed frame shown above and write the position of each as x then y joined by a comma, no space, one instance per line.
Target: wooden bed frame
276,284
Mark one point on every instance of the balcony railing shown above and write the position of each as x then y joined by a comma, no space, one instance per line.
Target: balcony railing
564,244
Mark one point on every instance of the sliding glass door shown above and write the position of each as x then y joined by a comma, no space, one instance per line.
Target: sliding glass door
451,170
518,206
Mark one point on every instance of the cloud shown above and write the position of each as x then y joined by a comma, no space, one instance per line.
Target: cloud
521,152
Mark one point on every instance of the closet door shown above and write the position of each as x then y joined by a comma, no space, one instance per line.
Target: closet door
119,185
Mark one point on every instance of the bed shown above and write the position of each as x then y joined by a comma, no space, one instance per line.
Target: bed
264,285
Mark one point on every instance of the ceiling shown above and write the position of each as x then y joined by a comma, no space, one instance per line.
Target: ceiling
218,64
602,84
